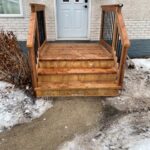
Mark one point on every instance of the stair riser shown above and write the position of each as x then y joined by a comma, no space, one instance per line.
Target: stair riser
77,64
77,77
79,92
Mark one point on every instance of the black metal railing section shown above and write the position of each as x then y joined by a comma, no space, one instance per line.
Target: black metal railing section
108,26
36,47
118,46
41,26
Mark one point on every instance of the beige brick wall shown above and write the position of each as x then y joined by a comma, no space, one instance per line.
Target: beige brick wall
137,18
136,14
96,17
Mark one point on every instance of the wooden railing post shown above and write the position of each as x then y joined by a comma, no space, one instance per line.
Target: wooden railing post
33,67
125,45
120,42
122,66
33,41
30,45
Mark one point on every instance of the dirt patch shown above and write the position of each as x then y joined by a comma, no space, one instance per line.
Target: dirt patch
136,93
125,125
127,132
102,123
68,117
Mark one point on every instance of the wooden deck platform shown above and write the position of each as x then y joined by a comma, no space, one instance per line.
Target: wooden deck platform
74,51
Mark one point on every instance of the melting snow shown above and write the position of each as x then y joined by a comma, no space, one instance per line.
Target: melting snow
142,64
141,145
126,133
130,131
16,107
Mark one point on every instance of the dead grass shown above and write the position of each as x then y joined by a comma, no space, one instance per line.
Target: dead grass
14,66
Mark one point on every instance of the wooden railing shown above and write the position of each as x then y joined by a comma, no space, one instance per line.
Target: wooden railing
36,37
114,37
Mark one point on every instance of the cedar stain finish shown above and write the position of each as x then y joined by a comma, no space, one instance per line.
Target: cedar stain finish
73,51
78,69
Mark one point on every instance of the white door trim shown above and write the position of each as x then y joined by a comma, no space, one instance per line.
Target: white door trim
89,24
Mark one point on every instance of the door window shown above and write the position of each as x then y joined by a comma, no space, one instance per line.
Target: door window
65,1
78,1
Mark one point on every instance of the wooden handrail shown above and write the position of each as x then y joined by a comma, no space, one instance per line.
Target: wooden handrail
110,7
122,29
32,29
34,41
119,36
37,7
116,8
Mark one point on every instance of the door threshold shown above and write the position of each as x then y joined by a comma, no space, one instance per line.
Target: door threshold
73,39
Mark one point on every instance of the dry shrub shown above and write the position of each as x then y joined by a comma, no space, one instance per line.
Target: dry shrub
14,66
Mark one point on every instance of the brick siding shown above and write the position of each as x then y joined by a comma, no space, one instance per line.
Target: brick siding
136,14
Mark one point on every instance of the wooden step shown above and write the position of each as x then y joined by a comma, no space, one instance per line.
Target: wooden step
83,69
75,55
65,75
103,63
48,71
77,89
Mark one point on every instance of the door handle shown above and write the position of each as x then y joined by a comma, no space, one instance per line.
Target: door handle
85,6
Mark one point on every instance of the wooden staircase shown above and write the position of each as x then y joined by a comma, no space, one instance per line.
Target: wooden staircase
76,70
73,68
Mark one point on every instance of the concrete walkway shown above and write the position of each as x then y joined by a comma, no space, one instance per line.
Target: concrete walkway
68,117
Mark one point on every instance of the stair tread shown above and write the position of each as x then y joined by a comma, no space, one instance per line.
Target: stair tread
47,71
77,85
77,64
77,58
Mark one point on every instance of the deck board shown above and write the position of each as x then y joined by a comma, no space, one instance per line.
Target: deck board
74,51
77,85
43,71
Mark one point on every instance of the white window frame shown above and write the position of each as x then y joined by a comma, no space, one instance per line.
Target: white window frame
15,15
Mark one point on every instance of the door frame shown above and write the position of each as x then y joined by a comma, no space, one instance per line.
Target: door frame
89,24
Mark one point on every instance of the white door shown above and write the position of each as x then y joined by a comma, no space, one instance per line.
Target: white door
72,18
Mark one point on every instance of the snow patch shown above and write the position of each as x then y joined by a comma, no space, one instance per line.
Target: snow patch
17,108
3,85
141,145
121,134
142,64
